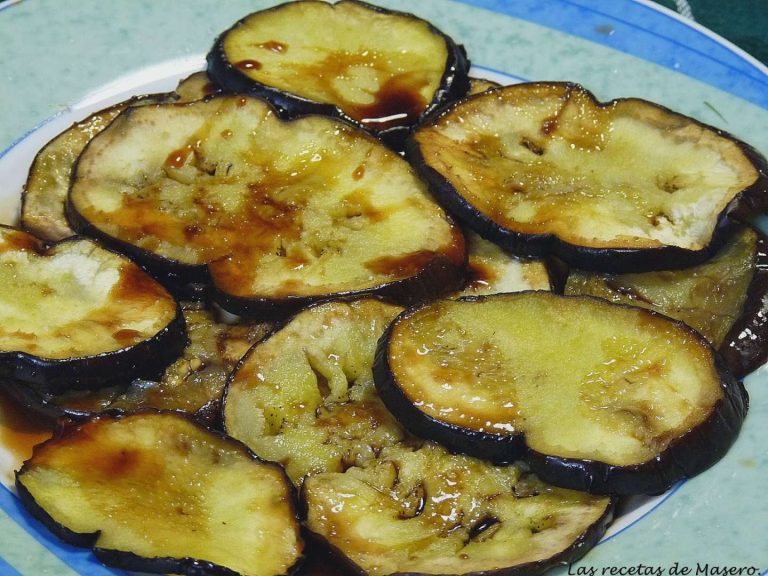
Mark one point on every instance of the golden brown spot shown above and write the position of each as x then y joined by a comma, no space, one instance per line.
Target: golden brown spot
401,266
359,172
21,241
480,275
127,337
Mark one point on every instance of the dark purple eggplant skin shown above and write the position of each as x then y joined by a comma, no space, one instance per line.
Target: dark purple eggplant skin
583,544
147,359
129,560
441,276
686,456
745,347
453,85
746,204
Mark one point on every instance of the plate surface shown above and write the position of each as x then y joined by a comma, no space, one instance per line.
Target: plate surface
62,61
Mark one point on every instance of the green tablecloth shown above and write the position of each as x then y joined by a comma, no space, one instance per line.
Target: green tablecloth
743,22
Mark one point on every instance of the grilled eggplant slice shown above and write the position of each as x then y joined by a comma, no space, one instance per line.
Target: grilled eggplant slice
626,186
42,201
346,60
193,383
155,492
304,397
492,270
75,314
425,511
277,213
627,401
45,192
725,298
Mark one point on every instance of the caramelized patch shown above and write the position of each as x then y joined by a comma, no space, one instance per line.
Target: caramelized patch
359,172
396,103
16,240
135,284
127,337
402,266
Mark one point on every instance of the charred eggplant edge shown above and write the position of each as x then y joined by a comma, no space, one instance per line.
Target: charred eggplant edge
687,455
453,85
577,549
615,260
144,359
130,560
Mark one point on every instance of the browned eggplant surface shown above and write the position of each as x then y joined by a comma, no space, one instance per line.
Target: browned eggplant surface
193,383
345,59
493,270
426,511
596,396
154,492
304,397
279,213
543,168
724,298
75,313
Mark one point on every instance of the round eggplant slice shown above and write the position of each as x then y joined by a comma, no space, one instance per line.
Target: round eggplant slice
381,69
725,298
305,397
492,270
277,213
45,192
624,186
193,383
74,315
155,492
621,400
425,511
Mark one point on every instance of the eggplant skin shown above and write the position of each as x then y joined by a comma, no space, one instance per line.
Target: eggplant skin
438,277
454,83
686,456
744,205
745,347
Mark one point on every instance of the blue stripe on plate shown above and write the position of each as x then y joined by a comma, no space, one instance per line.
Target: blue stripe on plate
8,570
79,559
655,37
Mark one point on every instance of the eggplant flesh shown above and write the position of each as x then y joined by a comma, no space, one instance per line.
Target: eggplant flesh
75,313
626,401
545,169
193,383
343,59
334,210
304,397
433,512
718,298
152,491
493,270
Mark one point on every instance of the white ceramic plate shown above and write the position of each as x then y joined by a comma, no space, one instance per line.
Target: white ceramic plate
62,61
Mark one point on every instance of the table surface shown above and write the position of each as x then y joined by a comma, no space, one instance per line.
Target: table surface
743,22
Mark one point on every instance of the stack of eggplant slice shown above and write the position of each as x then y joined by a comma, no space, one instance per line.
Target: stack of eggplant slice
259,280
